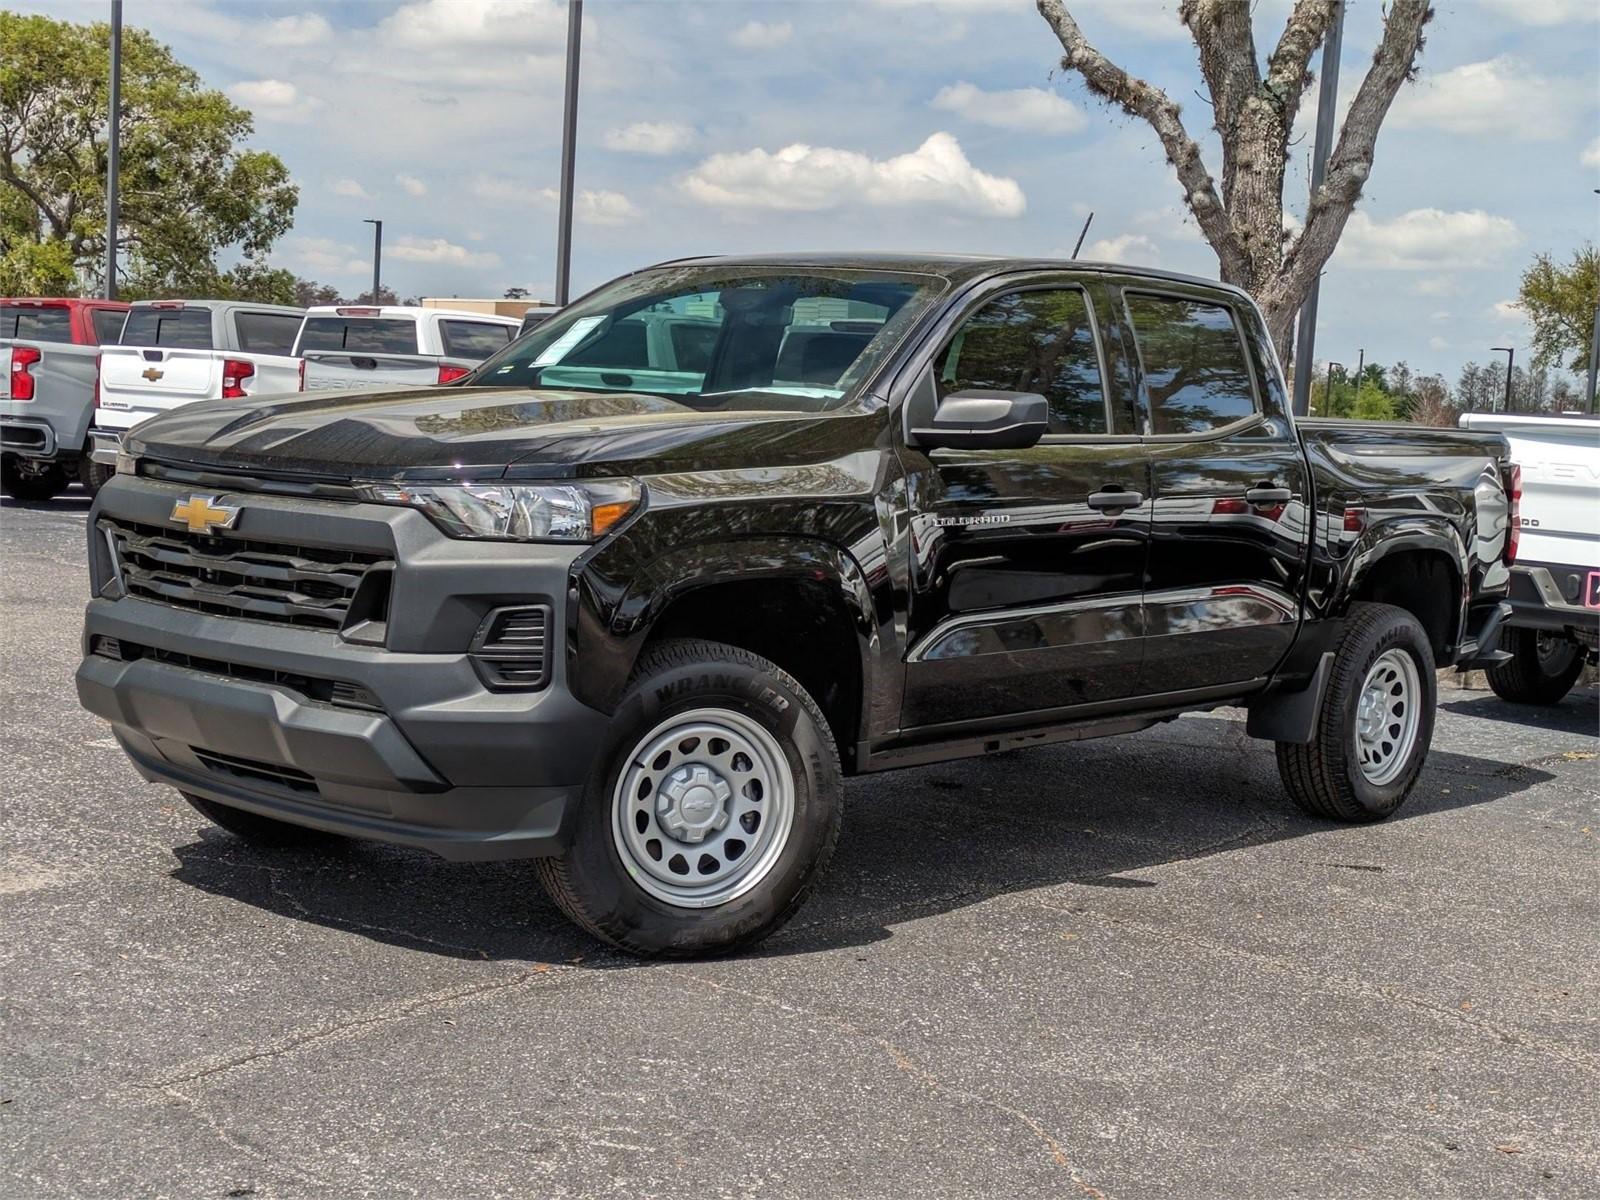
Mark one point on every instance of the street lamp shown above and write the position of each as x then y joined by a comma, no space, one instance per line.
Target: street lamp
377,253
1511,357
569,151
1327,388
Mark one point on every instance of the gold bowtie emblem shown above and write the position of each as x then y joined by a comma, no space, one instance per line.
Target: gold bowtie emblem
202,514
152,374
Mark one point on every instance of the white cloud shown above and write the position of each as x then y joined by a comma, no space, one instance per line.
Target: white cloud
349,188
802,178
1591,154
318,256
1507,310
301,29
499,191
411,185
1032,109
596,207
649,137
498,25
1503,96
1124,248
1435,285
762,35
1427,239
1148,18
437,250
1546,12
1438,343
273,100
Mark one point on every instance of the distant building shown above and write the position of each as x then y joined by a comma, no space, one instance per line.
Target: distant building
497,308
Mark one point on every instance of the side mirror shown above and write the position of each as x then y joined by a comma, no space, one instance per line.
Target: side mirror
985,420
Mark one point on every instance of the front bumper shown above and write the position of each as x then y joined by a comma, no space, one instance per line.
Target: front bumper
236,710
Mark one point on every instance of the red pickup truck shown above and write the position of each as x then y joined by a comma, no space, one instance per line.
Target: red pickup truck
50,348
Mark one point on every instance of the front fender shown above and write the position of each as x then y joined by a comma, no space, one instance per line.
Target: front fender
612,627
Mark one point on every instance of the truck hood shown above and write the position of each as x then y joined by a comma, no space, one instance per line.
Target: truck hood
435,432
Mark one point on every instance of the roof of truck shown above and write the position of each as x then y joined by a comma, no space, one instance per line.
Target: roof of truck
407,310
958,268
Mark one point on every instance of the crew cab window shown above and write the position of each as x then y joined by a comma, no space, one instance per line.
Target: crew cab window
108,325
180,328
476,340
266,333
36,324
1033,341
362,335
1196,371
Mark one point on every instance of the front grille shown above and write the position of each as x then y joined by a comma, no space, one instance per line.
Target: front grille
240,577
261,772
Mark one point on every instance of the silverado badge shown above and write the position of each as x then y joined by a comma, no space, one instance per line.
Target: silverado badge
202,514
152,374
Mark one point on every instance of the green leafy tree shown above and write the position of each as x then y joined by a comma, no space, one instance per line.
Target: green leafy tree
1372,403
189,189
1560,301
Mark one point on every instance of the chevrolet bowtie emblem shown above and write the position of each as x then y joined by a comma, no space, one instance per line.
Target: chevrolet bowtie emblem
152,374
202,514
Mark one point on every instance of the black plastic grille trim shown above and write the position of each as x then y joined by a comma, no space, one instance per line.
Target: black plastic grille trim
241,577
249,768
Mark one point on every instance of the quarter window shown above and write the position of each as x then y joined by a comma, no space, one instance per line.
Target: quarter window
108,325
266,333
1196,372
1035,341
476,340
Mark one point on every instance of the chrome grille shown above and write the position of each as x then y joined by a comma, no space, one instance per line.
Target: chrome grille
241,577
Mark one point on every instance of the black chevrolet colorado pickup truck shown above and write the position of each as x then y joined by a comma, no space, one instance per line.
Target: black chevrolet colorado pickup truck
633,596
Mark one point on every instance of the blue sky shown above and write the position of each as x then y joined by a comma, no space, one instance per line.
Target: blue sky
734,125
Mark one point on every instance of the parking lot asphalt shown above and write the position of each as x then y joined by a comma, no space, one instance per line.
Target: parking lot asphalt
1121,968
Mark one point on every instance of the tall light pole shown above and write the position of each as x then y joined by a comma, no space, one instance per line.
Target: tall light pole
1327,390
114,152
1594,353
569,150
1511,358
377,254
1327,98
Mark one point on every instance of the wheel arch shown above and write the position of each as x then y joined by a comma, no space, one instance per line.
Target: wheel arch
1418,566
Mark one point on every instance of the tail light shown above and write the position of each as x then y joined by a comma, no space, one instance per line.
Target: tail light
22,381
302,374
451,374
1514,516
234,372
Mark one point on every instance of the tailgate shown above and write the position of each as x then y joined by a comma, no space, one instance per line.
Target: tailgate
327,369
152,379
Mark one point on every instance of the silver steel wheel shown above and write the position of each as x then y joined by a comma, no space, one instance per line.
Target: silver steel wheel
1388,715
704,807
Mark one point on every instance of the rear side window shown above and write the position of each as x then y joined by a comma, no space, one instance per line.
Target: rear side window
1035,341
179,328
1196,371
364,335
108,325
36,324
266,333
692,345
625,344
476,340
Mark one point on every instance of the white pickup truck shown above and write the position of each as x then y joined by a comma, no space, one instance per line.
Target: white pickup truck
1555,585
174,352
396,345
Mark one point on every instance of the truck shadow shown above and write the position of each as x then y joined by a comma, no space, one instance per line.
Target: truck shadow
1578,713
916,843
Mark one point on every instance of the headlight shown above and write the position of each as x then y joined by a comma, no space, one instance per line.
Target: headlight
517,512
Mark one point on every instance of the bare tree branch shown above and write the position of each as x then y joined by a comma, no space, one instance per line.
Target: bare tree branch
1351,162
1223,34
1138,98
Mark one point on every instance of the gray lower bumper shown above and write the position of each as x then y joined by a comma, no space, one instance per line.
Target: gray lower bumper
104,445
29,438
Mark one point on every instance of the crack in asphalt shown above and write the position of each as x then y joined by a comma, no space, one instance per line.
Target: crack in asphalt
904,1062
1338,984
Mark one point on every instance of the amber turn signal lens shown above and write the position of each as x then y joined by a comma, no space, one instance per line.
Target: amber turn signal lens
604,516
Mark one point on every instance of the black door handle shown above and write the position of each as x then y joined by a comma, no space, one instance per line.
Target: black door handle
1269,495
1115,501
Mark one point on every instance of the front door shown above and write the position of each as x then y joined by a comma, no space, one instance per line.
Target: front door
1027,565
1230,528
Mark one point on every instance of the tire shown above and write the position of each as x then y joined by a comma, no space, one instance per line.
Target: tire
1542,669
93,475
1360,766
258,830
702,728
29,479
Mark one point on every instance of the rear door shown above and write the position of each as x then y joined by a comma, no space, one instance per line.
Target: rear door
164,358
1026,582
1230,531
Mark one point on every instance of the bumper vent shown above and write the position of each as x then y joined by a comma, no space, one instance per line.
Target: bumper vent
310,586
259,772
511,648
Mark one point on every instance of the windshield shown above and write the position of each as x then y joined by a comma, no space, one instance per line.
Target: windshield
721,338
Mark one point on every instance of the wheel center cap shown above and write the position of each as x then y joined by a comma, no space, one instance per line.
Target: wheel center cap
692,802
1370,714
